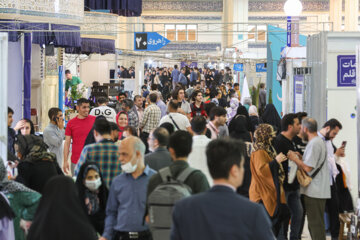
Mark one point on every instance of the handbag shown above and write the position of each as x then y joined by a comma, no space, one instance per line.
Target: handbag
304,179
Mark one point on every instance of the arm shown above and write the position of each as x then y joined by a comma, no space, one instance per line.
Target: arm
145,118
111,213
29,202
66,154
201,184
53,139
81,161
295,158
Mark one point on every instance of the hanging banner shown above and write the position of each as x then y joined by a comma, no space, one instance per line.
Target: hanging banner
149,41
260,67
298,93
239,67
346,72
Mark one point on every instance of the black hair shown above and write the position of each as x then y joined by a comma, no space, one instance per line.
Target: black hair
198,124
175,92
162,135
222,155
181,142
208,107
173,104
216,112
288,119
175,66
168,126
10,110
236,84
131,129
82,101
32,128
53,112
102,126
262,85
129,103
332,123
102,100
154,87
194,94
153,97
114,126
136,97
67,71
122,94
301,115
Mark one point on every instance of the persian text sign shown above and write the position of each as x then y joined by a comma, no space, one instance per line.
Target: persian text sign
346,72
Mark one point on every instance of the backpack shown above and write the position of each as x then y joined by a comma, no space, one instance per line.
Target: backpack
162,200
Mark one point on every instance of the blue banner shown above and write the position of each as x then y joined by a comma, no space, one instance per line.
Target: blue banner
346,73
288,37
149,41
239,67
260,67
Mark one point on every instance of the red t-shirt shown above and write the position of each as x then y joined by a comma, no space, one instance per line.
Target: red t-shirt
78,129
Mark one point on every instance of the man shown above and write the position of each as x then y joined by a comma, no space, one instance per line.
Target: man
150,120
191,89
122,97
77,130
197,157
182,78
220,213
237,90
262,98
180,121
329,131
283,143
71,81
114,131
217,119
138,108
160,156
104,152
133,119
175,76
108,112
217,98
316,193
54,134
184,107
193,75
300,144
11,132
160,103
180,147
126,203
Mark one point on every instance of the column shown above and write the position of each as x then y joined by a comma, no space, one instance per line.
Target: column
139,74
3,95
336,14
226,19
351,15
240,11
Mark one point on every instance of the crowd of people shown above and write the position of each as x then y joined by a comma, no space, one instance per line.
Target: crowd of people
183,160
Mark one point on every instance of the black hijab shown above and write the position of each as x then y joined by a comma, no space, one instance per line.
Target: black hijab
271,116
241,111
59,215
238,128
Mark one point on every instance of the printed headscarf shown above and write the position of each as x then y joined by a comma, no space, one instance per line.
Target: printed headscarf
33,148
263,136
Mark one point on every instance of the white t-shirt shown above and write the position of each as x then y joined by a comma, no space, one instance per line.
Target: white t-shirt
108,112
181,121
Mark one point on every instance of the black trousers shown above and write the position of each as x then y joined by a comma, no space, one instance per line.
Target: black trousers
144,136
332,208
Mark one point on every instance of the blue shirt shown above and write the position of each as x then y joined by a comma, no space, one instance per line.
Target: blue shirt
175,75
182,79
193,76
162,107
126,204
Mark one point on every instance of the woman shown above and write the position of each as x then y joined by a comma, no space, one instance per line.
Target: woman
238,128
271,116
122,122
60,215
184,106
25,127
231,111
254,117
23,200
36,165
93,194
197,107
243,112
267,176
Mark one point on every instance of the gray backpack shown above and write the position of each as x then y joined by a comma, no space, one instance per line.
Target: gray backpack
162,200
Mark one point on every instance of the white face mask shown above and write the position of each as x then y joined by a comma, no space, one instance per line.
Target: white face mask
128,167
93,185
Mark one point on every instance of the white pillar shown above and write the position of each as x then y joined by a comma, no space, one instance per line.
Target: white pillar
240,10
336,14
3,95
351,15
139,75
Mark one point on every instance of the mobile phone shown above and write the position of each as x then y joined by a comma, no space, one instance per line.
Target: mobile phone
343,144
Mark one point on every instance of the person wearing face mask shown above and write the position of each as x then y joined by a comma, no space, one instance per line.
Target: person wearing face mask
104,152
126,204
210,215
93,194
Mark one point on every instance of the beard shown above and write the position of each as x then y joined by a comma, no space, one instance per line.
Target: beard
327,136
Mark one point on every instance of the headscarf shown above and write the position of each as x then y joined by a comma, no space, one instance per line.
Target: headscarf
121,129
33,148
231,112
9,186
271,116
241,111
253,111
238,128
59,215
263,136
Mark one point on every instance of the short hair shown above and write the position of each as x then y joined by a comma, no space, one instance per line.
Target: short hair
153,97
82,101
173,104
248,101
139,146
222,155
53,112
114,126
132,130
287,120
301,115
236,85
198,124
122,94
10,110
162,135
181,142
154,87
102,100
310,124
175,66
333,123
262,85
102,126
216,112
67,71
168,126
136,97
208,107
129,103
194,95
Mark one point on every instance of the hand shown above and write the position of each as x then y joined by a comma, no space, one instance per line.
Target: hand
292,155
20,124
299,155
102,238
340,152
60,123
280,158
66,167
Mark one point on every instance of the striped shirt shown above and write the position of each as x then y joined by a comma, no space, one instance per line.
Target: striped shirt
151,118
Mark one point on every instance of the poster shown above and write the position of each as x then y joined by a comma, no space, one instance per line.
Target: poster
298,93
346,72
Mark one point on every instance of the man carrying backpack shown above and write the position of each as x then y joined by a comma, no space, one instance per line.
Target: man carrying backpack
171,184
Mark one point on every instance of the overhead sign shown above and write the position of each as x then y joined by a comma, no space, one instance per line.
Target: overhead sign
298,93
239,67
292,31
149,41
346,72
260,67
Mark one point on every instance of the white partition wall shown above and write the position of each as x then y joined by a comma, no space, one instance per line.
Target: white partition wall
3,94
